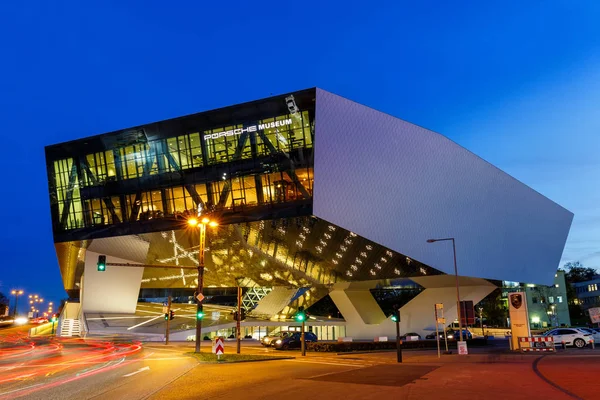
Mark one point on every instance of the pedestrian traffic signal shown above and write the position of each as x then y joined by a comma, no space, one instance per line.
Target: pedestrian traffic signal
101,263
300,315
200,314
171,314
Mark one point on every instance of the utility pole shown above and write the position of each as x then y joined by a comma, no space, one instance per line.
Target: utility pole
238,319
302,339
481,320
199,296
398,342
168,320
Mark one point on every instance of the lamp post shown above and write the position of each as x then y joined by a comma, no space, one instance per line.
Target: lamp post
457,289
199,297
17,293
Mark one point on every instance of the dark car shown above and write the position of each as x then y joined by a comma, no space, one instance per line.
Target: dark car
449,335
292,341
412,335
467,335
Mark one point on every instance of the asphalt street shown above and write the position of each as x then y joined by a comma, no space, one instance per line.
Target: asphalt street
121,368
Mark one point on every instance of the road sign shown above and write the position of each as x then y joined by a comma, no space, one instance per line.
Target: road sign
595,315
439,306
462,348
200,297
441,320
165,309
165,303
218,347
216,315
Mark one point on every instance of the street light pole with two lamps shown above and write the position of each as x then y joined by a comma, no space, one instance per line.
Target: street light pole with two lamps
16,293
194,222
457,290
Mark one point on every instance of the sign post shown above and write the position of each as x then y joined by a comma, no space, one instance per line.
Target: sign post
519,317
438,306
595,315
218,347
237,320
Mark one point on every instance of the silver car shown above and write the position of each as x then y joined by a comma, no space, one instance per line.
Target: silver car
270,339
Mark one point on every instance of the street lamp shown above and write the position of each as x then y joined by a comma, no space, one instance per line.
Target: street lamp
193,222
17,293
457,290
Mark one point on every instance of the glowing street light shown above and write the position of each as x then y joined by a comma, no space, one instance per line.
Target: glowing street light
193,222
16,293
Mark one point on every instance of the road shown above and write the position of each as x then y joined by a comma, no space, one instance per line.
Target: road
117,368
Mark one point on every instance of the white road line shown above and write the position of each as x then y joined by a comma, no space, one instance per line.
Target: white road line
138,371
328,363
145,322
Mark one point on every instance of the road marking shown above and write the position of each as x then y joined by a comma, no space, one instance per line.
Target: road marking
145,322
329,363
138,371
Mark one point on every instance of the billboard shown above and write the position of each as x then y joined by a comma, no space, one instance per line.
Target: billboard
467,312
595,315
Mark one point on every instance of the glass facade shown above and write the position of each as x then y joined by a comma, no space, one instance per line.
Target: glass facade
263,157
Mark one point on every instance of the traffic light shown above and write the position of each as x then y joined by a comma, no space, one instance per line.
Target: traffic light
54,318
101,263
242,317
396,313
171,314
166,316
300,315
200,314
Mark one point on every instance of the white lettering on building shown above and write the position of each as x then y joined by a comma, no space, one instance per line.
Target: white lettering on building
249,129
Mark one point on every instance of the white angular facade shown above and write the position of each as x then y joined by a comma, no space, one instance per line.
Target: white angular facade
399,184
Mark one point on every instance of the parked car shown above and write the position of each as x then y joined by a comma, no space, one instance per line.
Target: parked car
449,333
411,336
595,333
570,336
467,335
293,340
269,339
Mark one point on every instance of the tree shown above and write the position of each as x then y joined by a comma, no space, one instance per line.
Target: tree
3,304
495,311
576,272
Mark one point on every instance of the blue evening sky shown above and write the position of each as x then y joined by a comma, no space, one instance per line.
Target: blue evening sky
517,83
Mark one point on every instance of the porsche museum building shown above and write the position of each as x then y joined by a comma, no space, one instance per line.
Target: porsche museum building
315,196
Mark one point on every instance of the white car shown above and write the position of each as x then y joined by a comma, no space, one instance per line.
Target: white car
595,334
571,336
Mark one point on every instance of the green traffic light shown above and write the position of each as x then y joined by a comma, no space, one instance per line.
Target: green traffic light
101,263
200,315
395,318
300,317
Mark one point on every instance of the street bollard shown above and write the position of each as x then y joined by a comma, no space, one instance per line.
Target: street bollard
564,346
593,344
